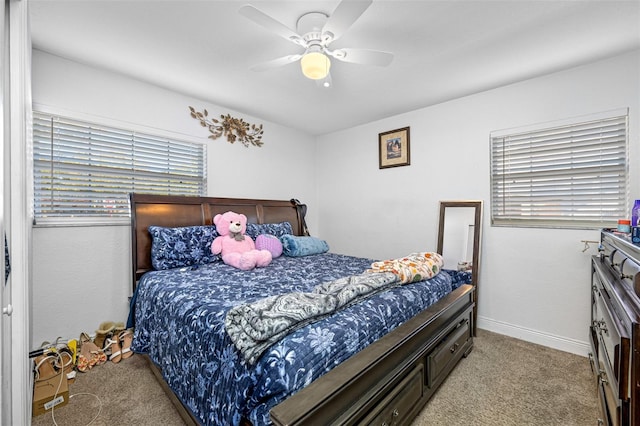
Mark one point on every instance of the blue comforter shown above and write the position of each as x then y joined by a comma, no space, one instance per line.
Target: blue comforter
179,323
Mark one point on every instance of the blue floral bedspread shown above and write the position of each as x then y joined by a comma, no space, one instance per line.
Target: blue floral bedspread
179,323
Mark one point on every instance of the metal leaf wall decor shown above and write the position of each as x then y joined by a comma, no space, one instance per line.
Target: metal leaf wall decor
234,129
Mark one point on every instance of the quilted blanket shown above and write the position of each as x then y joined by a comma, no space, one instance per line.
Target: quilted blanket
256,326
180,324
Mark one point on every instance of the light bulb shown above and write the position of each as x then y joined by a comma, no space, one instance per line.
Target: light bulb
315,65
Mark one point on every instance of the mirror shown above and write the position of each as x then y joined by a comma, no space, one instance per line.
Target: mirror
459,232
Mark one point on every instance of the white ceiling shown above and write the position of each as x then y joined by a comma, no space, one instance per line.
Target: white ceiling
443,50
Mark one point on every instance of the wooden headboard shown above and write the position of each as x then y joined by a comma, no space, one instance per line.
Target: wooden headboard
174,211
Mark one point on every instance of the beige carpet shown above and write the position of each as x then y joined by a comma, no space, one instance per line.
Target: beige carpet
504,381
126,393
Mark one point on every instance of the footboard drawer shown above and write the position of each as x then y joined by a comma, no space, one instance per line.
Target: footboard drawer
398,403
447,351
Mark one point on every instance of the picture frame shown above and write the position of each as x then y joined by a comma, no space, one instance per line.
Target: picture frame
394,148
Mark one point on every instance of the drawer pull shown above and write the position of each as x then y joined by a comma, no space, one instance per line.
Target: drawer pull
603,377
395,413
454,348
601,325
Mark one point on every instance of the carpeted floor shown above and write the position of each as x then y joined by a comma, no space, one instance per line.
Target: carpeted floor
504,381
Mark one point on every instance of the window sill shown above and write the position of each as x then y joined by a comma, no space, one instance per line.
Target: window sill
80,222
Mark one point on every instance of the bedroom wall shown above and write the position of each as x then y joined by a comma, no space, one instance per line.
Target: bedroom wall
534,283
81,275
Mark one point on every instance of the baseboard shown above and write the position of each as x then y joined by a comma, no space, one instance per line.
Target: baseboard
552,341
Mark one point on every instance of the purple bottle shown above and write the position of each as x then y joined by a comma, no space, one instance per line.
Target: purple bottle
635,213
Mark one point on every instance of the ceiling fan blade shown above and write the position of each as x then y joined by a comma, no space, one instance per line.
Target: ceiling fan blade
274,63
347,12
363,56
266,21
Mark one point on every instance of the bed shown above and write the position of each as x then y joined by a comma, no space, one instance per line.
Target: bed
375,361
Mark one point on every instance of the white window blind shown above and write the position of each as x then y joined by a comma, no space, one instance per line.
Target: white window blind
86,171
573,175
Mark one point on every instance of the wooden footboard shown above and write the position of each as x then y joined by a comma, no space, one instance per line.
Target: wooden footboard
391,380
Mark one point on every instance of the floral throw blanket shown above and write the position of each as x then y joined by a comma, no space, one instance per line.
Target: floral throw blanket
412,268
256,326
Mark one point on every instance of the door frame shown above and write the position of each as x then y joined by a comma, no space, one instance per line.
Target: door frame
5,318
19,213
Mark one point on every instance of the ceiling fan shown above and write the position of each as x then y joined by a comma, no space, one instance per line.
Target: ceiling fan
314,32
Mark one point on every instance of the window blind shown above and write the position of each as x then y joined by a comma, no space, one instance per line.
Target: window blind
87,170
573,175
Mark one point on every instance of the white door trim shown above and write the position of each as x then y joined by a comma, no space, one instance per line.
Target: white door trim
5,320
21,218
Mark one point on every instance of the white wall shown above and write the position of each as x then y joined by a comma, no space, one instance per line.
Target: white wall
534,283
81,275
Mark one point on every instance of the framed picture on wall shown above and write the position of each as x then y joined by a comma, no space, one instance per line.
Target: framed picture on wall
393,148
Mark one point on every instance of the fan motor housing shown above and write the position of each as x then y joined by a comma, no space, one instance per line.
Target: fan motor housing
310,25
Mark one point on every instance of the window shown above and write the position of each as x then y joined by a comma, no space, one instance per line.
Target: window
572,174
83,172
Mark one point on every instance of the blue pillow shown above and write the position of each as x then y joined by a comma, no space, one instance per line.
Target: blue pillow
277,229
180,247
295,246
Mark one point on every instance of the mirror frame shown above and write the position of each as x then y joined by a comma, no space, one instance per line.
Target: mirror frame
477,205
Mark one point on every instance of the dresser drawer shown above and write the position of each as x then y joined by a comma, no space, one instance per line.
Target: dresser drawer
394,408
447,351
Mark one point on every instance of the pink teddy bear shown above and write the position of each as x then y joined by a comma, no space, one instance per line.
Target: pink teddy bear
238,249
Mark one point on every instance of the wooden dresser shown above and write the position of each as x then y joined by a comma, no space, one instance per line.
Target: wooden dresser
615,329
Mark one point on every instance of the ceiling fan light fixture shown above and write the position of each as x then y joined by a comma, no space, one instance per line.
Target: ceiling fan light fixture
315,65
314,32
